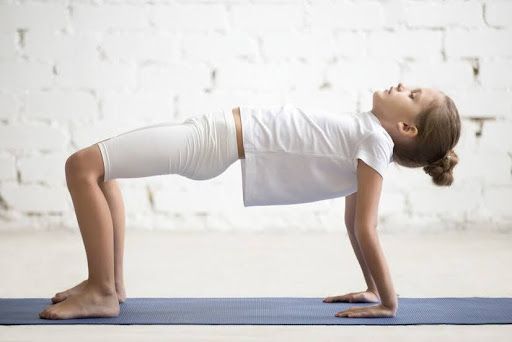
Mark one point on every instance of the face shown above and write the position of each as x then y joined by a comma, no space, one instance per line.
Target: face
397,108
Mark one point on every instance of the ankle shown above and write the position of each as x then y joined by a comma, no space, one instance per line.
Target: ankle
102,289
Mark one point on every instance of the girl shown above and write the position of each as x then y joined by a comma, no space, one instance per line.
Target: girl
287,156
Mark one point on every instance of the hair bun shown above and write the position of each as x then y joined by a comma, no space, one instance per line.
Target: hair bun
441,170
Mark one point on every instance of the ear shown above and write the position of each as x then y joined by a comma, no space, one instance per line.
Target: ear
407,129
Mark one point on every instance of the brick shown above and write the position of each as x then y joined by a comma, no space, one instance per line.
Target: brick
96,75
478,43
448,202
497,13
88,17
482,102
60,47
495,137
47,168
9,106
173,77
362,74
347,15
317,46
161,47
439,75
495,73
33,16
475,167
392,202
136,201
84,135
145,106
415,44
215,47
7,168
189,17
239,75
318,100
196,104
350,44
266,17
31,136
19,75
61,105
200,197
444,14
8,48
34,198
496,200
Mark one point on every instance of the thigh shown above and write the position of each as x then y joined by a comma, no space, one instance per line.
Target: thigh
148,151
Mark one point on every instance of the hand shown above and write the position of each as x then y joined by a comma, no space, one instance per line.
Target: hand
355,297
378,310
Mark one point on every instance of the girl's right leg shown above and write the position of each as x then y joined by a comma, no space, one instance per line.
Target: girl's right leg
200,148
114,198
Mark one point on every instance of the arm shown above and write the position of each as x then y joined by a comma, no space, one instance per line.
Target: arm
369,184
350,212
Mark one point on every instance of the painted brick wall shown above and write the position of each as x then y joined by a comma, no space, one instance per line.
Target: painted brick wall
76,72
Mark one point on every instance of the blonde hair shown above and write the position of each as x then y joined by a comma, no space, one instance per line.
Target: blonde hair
439,129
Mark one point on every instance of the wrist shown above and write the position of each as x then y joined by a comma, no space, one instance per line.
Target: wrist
392,305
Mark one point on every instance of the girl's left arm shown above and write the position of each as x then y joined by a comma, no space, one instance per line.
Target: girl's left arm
369,187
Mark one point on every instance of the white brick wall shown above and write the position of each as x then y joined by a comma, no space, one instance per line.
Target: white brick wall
76,72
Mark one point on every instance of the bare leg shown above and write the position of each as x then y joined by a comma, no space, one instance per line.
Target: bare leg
114,198
98,298
112,193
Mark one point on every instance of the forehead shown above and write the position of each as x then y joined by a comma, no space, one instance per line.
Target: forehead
428,94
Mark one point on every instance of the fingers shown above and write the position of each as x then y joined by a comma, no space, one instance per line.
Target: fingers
371,311
347,312
342,298
356,311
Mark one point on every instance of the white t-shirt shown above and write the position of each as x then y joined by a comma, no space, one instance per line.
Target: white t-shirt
298,156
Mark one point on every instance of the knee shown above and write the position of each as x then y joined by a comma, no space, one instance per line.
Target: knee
77,168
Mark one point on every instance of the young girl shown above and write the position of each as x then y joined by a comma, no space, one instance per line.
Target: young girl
287,156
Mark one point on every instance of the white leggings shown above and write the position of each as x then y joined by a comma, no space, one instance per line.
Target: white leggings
200,147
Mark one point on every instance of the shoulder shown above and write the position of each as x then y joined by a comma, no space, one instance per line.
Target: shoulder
375,150
378,137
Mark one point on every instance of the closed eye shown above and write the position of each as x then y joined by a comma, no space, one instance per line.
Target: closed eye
412,92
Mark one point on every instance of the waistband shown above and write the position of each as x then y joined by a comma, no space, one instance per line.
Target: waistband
231,133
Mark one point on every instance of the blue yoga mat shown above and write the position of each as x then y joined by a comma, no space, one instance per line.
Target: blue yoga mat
270,311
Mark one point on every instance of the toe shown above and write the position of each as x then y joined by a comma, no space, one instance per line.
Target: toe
56,299
50,315
44,313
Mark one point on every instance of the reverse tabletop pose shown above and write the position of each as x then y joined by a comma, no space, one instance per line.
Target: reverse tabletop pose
288,155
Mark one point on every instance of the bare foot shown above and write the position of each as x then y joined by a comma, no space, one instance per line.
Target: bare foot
60,296
88,302
121,293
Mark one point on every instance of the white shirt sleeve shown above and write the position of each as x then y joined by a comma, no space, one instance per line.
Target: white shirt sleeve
375,151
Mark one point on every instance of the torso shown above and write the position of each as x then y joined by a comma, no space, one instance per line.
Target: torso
239,139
